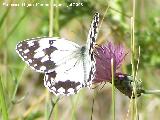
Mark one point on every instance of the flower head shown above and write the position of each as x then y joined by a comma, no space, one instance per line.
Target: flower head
123,82
103,56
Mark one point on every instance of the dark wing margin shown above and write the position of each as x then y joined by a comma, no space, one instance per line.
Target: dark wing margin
36,56
93,32
66,87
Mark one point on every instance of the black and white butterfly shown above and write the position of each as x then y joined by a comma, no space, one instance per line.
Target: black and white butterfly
68,67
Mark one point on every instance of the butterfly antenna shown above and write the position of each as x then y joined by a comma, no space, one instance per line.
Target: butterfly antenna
103,19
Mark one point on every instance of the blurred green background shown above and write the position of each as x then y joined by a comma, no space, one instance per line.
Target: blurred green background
26,97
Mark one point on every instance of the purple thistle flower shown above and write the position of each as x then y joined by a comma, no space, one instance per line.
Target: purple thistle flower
103,56
123,82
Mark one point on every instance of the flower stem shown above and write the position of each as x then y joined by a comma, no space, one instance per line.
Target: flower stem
51,19
113,90
134,112
47,114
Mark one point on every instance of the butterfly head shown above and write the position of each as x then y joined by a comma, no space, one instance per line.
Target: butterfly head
83,49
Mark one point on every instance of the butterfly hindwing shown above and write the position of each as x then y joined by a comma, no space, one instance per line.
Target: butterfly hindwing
45,54
66,81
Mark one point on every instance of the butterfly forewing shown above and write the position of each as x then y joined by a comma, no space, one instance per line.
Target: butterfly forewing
91,41
93,31
45,54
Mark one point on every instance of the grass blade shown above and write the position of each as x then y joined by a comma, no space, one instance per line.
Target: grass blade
3,103
4,15
17,24
48,112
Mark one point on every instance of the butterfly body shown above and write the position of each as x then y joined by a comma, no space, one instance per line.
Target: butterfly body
67,66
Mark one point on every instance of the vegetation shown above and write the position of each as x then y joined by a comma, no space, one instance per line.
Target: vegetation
22,93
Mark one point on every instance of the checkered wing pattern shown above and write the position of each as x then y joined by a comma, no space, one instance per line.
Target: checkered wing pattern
91,41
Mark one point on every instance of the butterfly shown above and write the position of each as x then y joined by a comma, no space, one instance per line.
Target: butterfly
67,66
